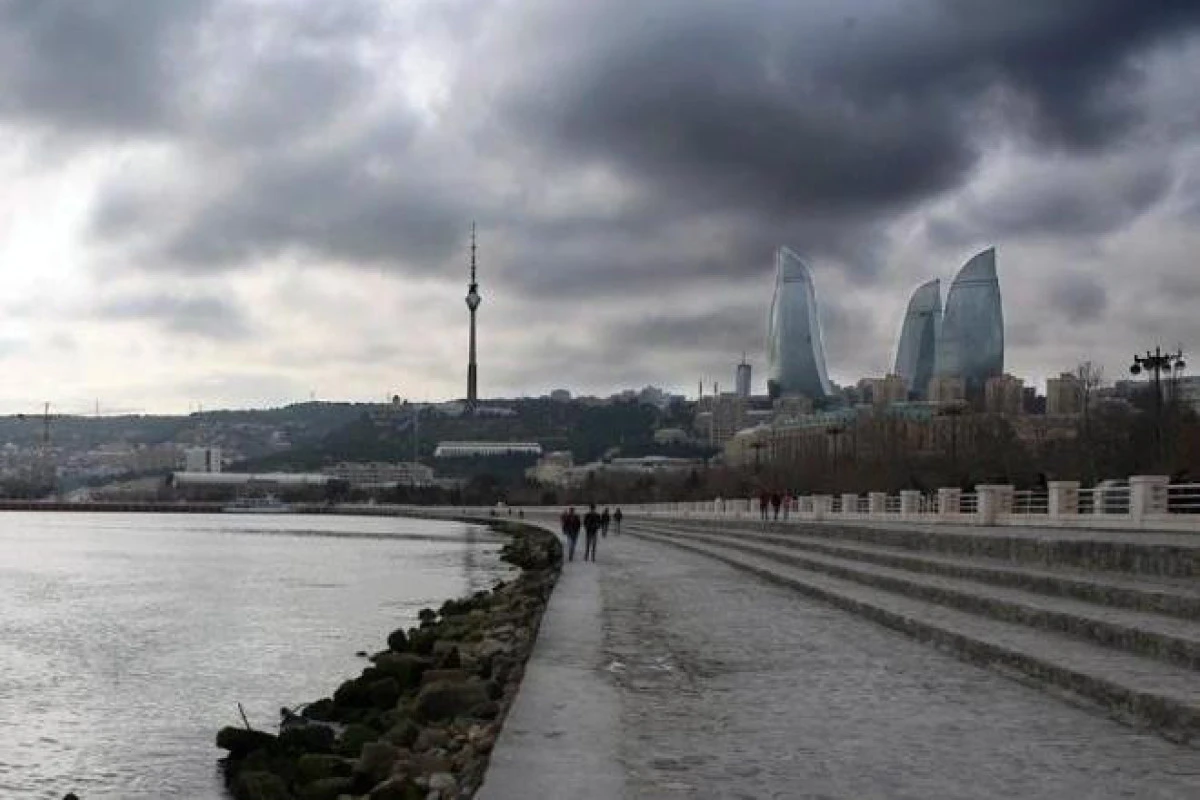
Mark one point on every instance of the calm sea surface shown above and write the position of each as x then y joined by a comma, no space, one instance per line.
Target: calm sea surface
126,641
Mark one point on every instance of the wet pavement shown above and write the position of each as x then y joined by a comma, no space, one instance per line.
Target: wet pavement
691,679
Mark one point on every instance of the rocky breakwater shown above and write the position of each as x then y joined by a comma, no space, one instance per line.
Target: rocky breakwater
420,722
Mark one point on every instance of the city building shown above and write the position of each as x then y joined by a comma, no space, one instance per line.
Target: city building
486,449
884,391
795,352
654,466
742,386
560,396
727,418
202,459
916,352
1004,394
552,469
1064,395
970,344
946,389
376,473
791,406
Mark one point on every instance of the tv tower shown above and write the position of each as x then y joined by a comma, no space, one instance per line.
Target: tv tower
473,301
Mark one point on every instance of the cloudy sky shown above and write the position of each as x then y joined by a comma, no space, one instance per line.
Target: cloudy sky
251,202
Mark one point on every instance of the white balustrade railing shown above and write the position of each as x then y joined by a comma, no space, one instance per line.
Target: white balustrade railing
1142,501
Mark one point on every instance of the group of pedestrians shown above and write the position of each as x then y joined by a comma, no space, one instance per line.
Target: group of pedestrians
771,502
594,525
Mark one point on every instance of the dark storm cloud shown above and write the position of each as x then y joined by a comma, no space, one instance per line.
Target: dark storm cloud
1079,198
773,107
1079,297
109,66
729,330
780,121
206,316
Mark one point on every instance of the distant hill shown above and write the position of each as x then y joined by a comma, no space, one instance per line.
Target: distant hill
386,434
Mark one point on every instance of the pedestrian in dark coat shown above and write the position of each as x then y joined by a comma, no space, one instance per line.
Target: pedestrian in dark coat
570,529
605,521
591,527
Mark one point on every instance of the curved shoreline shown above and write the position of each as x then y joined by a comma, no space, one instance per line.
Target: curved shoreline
420,722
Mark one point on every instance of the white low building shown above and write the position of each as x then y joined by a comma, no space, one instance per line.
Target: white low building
379,473
485,449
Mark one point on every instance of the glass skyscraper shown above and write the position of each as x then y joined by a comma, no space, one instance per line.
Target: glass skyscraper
916,354
971,343
795,352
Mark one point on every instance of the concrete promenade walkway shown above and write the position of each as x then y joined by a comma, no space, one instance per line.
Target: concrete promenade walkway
661,673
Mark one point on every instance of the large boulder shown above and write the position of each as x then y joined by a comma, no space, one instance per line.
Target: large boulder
354,737
241,742
326,789
397,640
313,766
374,764
443,699
257,785
406,668
384,692
446,675
398,789
403,733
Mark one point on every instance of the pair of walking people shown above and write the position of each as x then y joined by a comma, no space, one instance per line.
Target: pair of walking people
591,523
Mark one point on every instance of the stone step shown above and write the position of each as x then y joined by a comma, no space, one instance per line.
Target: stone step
1137,552
1131,688
1177,597
1153,635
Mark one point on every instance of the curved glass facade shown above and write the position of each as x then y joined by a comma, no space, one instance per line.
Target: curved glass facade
971,343
795,352
916,354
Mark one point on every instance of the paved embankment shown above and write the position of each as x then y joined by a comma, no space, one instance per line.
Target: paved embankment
710,682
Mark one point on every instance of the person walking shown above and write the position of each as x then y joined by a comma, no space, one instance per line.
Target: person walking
605,521
776,502
591,527
763,501
617,517
570,529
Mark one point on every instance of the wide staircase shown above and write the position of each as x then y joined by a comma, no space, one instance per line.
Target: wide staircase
1106,618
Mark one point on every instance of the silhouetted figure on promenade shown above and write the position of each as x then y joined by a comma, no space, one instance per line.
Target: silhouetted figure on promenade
787,504
617,517
605,521
763,502
776,502
570,529
591,527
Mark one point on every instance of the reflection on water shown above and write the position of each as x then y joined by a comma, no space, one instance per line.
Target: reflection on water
126,641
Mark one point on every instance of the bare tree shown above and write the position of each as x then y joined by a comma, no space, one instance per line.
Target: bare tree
1090,376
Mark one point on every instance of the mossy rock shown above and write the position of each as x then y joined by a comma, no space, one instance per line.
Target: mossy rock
258,785
397,641
326,789
354,737
240,742
313,766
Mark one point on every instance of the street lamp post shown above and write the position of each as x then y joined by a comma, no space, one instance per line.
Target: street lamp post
1156,364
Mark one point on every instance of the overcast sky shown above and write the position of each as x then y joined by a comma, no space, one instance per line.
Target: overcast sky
251,202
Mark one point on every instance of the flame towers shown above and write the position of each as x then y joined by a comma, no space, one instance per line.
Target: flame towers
971,342
916,355
795,352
